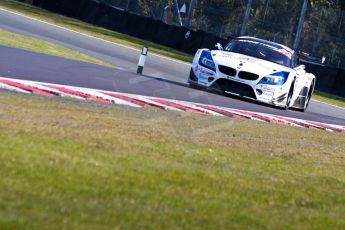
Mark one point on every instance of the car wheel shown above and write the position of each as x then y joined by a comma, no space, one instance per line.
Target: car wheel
288,99
310,92
192,80
192,76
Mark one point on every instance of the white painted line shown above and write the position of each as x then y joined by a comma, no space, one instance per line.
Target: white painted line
138,97
308,123
12,88
240,113
147,100
46,88
151,100
98,94
329,125
193,106
287,122
90,36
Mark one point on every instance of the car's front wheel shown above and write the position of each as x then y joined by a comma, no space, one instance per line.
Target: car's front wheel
288,99
192,80
310,93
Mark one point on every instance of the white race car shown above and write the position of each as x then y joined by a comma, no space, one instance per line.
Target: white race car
254,68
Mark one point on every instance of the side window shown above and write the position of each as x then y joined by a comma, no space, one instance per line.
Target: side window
295,61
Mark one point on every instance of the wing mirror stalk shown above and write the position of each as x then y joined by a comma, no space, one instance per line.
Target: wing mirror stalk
219,46
301,67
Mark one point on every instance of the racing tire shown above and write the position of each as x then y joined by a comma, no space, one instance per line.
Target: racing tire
310,93
288,99
192,80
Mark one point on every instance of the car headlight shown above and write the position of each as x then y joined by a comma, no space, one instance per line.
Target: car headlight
206,60
278,78
272,80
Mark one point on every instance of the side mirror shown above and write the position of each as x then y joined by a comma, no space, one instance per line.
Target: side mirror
300,67
219,46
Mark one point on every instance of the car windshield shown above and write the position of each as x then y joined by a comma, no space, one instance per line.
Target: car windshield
261,50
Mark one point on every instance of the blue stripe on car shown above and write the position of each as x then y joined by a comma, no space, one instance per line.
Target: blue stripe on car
206,54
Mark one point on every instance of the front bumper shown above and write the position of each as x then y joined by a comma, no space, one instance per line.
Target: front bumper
269,94
234,87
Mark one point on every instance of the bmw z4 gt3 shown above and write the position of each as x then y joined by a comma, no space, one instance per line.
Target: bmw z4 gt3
254,68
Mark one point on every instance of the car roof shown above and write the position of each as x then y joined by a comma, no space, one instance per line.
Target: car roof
277,45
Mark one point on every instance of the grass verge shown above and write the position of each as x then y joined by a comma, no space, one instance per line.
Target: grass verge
329,98
92,30
75,165
37,45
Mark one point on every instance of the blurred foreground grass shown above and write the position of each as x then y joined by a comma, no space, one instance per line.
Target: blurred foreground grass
84,165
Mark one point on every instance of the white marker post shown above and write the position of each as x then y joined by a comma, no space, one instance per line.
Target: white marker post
142,60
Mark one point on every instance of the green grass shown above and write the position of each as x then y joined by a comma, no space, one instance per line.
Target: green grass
29,43
329,98
76,165
95,31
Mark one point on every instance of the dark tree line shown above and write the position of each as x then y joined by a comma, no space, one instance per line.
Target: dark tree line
323,32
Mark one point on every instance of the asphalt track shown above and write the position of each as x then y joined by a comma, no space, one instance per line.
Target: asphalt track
163,77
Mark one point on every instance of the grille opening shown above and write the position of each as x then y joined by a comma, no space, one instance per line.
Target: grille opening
248,76
210,79
241,89
227,70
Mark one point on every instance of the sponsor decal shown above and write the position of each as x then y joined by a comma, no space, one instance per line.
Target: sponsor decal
225,55
203,76
238,57
283,51
267,95
205,71
268,88
235,79
244,59
206,61
203,79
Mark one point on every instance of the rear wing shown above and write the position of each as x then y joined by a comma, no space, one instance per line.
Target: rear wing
307,58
